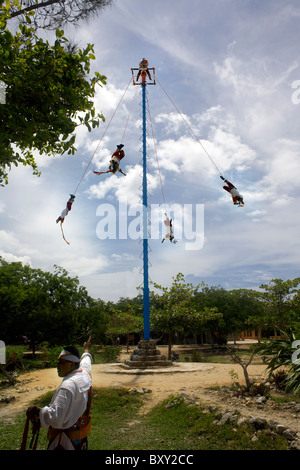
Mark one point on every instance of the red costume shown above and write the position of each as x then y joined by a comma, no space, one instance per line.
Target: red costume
237,199
119,154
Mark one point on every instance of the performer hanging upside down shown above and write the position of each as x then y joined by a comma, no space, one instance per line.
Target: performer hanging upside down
116,158
237,199
169,234
65,212
114,162
143,69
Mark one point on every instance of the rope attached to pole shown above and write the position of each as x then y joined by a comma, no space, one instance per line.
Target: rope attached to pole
90,161
155,149
128,116
199,141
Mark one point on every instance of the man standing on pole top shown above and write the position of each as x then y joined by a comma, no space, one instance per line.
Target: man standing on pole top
68,416
143,70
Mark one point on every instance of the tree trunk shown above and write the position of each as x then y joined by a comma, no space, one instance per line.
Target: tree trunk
170,348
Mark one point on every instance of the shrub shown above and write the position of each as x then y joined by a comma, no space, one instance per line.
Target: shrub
111,353
280,353
197,357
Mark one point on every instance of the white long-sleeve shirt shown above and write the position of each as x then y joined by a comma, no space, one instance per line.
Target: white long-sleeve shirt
70,399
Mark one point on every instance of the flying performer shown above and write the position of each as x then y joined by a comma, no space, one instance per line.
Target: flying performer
237,199
169,230
64,213
67,209
114,162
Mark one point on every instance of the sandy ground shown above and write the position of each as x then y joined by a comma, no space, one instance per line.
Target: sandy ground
194,379
190,378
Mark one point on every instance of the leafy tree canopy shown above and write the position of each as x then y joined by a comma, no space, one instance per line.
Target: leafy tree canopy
44,306
281,302
48,95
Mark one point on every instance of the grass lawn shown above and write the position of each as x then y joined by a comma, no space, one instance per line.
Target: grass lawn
172,425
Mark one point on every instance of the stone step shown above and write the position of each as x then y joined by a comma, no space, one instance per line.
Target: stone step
149,358
145,364
146,355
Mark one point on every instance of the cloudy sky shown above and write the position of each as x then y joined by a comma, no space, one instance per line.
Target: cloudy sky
226,101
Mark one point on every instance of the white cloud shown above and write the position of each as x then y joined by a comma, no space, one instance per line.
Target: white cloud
284,167
230,71
86,266
11,258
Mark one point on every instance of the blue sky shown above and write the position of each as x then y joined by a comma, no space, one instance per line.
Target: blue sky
229,66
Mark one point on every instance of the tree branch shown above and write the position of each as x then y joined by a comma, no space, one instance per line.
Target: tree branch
34,7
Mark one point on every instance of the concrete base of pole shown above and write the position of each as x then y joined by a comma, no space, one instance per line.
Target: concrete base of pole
147,356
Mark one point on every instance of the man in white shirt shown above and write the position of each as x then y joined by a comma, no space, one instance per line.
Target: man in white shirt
68,416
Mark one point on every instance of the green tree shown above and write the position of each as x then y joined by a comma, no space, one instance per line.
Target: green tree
123,323
91,320
174,311
48,95
240,309
46,307
281,304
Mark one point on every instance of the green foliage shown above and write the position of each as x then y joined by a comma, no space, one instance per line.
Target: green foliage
283,353
281,304
111,353
13,362
197,357
174,310
50,354
46,307
123,323
14,357
237,306
53,307
48,95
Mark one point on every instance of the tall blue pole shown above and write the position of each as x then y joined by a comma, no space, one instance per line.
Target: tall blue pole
146,302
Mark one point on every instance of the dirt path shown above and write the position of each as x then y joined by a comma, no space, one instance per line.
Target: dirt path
195,379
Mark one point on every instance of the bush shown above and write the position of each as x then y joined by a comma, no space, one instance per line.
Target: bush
280,353
111,353
14,357
279,379
14,362
50,354
197,357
